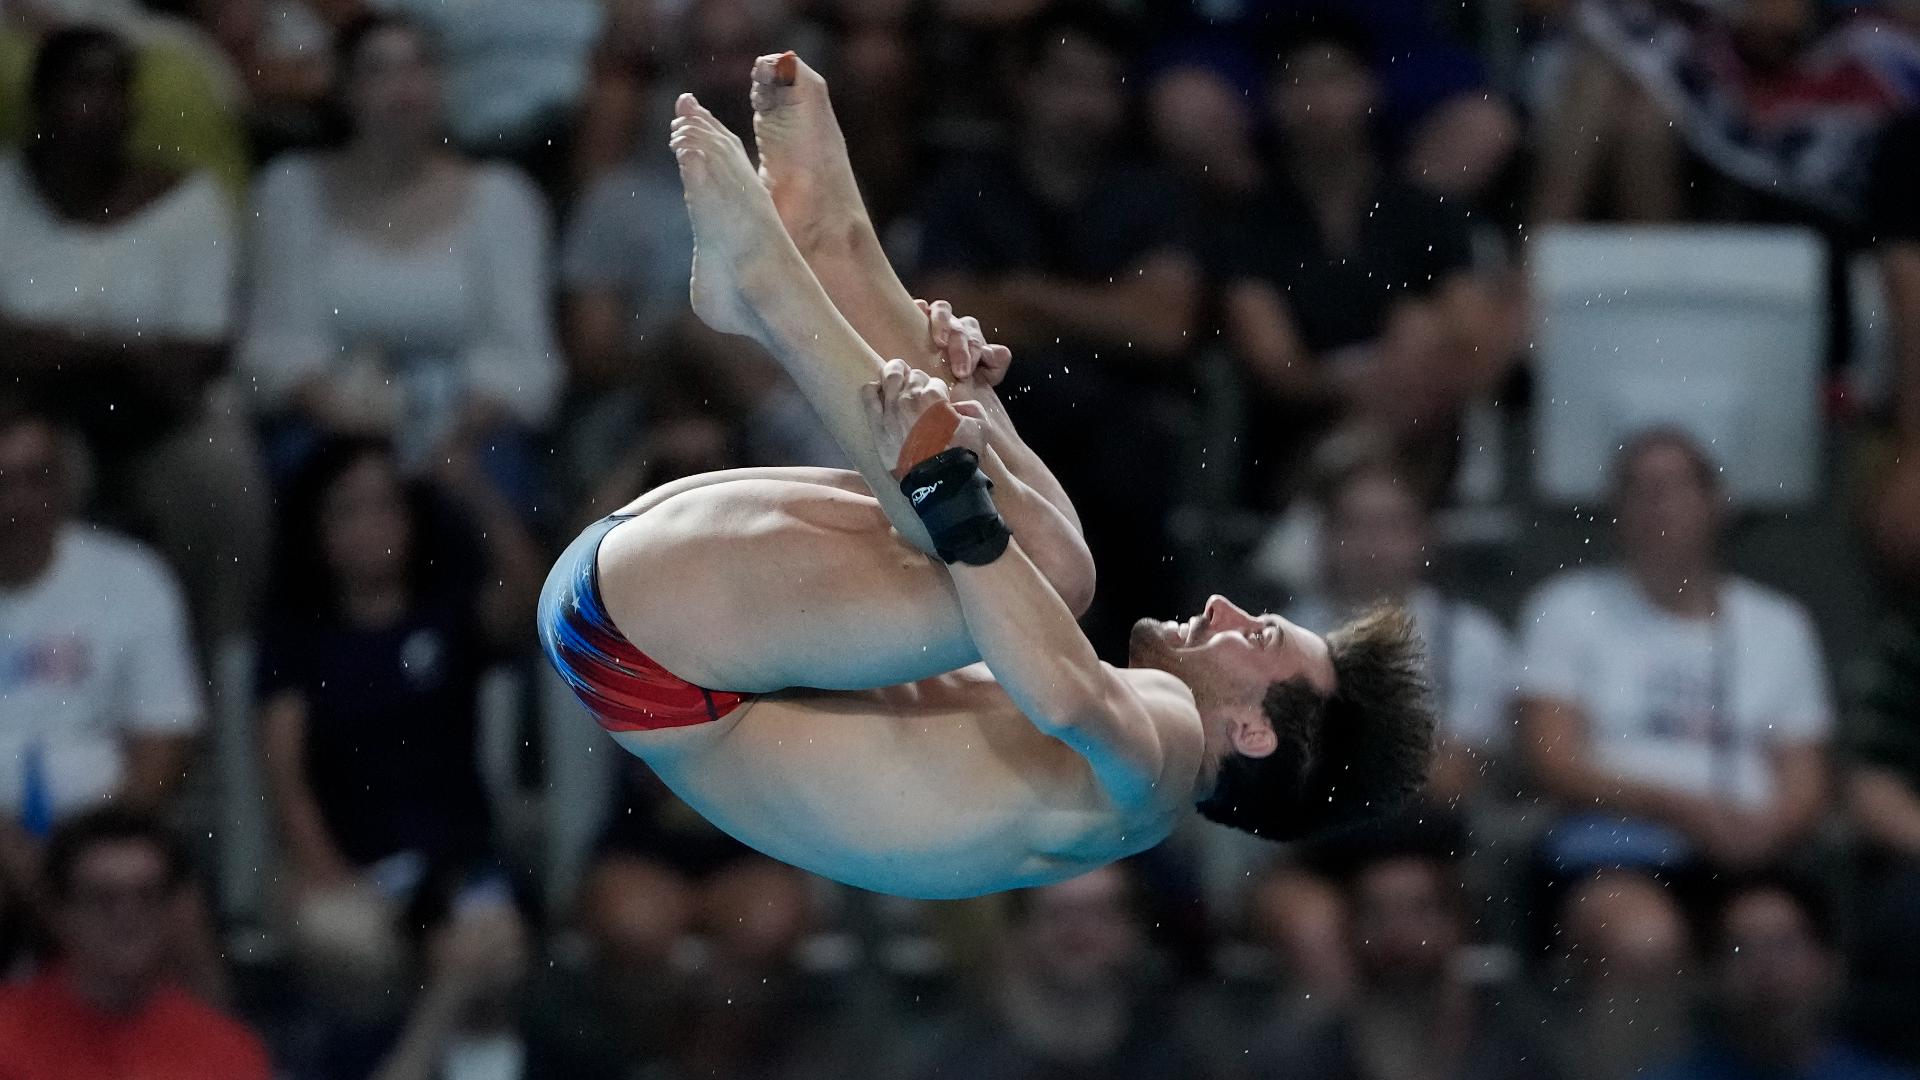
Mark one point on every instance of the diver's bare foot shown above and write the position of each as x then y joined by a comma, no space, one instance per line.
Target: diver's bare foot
902,396
738,239
803,156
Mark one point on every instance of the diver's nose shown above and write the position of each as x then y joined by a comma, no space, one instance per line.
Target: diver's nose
1222,610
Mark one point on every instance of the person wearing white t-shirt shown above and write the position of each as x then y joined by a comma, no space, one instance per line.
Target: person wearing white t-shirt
99,697
1374,548
1678,712
1373,543
115,312
398,288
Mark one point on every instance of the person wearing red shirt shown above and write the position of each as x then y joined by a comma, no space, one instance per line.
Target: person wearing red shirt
106,1009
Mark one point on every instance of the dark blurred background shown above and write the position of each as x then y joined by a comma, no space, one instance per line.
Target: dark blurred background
1588,329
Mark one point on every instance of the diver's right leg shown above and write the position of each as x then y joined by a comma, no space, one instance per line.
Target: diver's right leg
749,279
803,162
758,584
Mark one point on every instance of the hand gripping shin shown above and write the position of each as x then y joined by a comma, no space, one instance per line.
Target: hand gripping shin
949,492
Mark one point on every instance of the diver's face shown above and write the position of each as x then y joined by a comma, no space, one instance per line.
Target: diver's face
1226,652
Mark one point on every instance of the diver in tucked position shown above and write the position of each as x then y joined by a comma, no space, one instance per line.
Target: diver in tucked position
877,675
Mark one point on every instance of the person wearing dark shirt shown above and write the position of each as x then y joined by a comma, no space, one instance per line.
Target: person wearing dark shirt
689,968
1884,784
106,1009
1777,980
1350,298
1883,796
1067,1002
1413,1015
1453,134
664,875
385,621
1894,214
1079,261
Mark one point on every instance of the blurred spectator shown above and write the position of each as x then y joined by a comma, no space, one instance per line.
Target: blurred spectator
1081,263
465,1023
653,52
1775,97
1350,296
1418,1011
116,310
874,61
666,874
105,1009
397,287
516,72
692,940
621,74
1895,219
284,51
1069,999
1449,133
1204,129
1679,713
1302,918
1296,967
1883,794
99,694
674,446
188,103
1376,545
1777,983
384,622
644,369
1619,978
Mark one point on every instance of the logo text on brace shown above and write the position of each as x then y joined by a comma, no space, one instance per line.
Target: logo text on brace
920,494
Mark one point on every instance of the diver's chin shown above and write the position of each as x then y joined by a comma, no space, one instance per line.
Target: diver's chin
1150,645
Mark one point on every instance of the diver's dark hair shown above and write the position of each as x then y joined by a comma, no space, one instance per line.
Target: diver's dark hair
1343,758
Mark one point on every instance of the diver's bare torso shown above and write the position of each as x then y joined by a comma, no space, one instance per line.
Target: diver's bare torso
935,789
938,787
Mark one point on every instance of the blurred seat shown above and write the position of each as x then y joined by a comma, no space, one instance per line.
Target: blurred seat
1716,330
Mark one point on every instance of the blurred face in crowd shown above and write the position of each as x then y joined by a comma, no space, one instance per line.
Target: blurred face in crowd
1229,657
87,109
112,921
1303,919
1625,926
1668,508
1323,95
1375,544
33,497
726,39
1777,979
394,90
1771,32
366,529
1074,100
1080,934
1405,930
1198,118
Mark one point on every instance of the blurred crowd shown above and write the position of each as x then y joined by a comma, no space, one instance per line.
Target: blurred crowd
324,324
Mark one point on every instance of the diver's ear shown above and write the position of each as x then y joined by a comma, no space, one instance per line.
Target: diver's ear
1252,733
